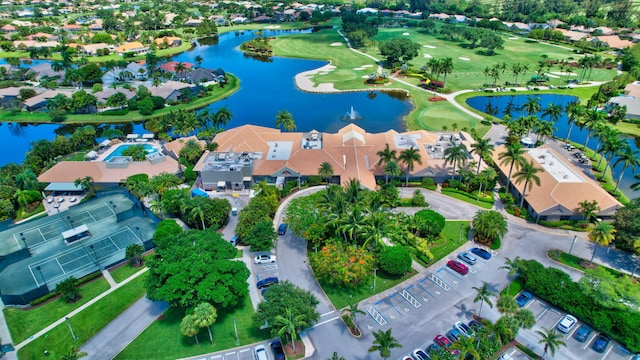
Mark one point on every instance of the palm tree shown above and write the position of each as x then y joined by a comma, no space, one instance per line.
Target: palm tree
73,354
483,294
553,111
513,155
351,224
636,186
512,268
503,330
446,66
629,159
591,121
290,324
545,129
191,151
454,155
527,174
482,148
575,111
392,168
466,346
531,106
589,209
354,310
383,343
27,180
180,68
86,184
188,327
326,171
222,117
284,119
550,340
205,315
611,144
507,305
387,155
410,156
198,59
602,233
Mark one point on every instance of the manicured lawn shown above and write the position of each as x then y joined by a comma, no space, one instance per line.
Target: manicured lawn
449,240
467,199
123,272
22,214
628,128
341,296
513,289
86,324
434,115
163,339
24,323
574,262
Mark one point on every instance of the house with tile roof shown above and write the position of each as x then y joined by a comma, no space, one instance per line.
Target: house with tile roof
250,153
563,185
134,47
612,41
169,41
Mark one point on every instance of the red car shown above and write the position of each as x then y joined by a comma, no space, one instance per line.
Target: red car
458,267
444,343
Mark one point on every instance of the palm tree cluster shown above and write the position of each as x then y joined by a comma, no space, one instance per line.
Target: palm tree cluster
203,315
389,160
442,66
184,123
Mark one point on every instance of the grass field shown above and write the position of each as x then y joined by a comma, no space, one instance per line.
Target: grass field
85,324
449,241
24,323
163,339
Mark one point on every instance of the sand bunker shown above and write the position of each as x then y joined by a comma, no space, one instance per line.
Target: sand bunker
358,68
429,46
336,44
272,27
405,34
365,76
563,73
464,58
426,55
553,76
513,38
367,66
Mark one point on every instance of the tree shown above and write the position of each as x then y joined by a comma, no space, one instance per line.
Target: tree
27,180
395,260
527,174
326,171
384,342
188,327
163,182
491,41
222,117
589,209
466,346
484,295
531,106
629,159
454,155
575,111
489,225
133,253
284,119
86,184
341,264
512,268
553,111
205,315
290,324
591,121
262,236
482,148
283,296
191,151
550,340
393,169
73,354
602,233
68,289
627,225
446,66
198,60
410,157
512,156
399,50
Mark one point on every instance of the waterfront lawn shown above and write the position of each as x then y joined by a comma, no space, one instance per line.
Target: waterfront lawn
163,339
85,324
448,241
468,74
24,323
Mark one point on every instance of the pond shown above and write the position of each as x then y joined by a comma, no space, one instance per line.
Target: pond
501,105
266,88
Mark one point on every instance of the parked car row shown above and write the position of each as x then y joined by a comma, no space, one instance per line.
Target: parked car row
467,258
260,351
458,330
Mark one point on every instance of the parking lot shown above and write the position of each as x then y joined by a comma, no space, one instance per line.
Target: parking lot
263,271
241,353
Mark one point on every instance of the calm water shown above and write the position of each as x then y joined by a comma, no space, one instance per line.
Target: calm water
499,106
266,88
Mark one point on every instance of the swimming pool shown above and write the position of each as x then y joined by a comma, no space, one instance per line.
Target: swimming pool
150,149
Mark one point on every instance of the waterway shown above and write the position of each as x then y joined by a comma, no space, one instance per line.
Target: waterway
266,88
499,106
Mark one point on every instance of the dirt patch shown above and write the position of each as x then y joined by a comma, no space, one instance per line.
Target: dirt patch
299,351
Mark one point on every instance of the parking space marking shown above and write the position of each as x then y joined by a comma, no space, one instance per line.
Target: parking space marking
425,289
375,314
412,300
388,301
607,352
216,357
542,314
270,267
438,281
326,321
472,269
589,341
575,328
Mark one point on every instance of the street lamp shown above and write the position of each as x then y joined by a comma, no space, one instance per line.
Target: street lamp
23,240
235,326
573,243
375,272
460,233
70,328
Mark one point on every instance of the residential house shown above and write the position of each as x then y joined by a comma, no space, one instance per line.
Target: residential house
103,95
10,96
72,27
440,16
10,29
96,26
240,20
612,41
192,22
92,49
171,66
203,75
39,102
632,103
25,44
134,47
367,11
40,36
262,19
220,21
169,41
170,90
44,71
573,36
604,31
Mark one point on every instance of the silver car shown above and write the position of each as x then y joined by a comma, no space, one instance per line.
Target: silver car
468,258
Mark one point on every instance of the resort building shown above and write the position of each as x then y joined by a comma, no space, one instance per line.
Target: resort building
563,186
250,153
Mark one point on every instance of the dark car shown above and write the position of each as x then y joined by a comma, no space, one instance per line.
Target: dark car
432,348
583,332
282,229
266,282
458,267
481,252
523,298
600,343
475,325
278,352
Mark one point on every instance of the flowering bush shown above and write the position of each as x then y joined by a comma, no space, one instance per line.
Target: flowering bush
341,264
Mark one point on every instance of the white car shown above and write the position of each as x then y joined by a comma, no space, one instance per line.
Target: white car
261,353
464,329
264,259
566,324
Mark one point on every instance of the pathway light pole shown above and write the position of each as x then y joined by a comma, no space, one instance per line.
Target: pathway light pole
70,328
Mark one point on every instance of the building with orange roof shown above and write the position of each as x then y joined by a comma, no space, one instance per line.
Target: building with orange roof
134,47
252,153
563,186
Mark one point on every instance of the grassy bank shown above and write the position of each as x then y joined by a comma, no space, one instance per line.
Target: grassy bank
454,235
85,324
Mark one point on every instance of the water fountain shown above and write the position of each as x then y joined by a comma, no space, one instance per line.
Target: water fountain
351,115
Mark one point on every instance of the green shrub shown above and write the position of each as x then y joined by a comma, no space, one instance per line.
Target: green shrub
428,183
395,260
115,112
145,106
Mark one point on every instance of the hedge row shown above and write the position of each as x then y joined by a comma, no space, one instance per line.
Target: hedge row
484,199
556,287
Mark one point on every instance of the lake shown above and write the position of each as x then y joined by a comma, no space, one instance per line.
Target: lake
499,106
266,88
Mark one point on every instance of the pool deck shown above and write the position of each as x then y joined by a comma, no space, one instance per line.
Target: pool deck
112,148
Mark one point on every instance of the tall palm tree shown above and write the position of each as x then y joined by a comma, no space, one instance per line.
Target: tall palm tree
553,111
326,171
188,327
611,143
454,155
575,112
550,340
484,295
482,148
383,343
73,354
602,233
392,168
198,60
354,310
27,180
466,346
527,174
446,66
351,224
592,119
290,324
410,157
386,155
512,268
531,106
507,305
86,184
222,117
545,129
205,315
284,119
512,156
629,159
